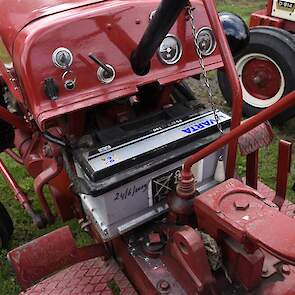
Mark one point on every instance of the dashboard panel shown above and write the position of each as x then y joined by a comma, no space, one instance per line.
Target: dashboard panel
110,31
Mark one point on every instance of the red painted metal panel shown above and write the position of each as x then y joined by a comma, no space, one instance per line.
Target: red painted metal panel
244,215
289,26
14,120
18,14
288,208
283,171
262,18
279,238
269,6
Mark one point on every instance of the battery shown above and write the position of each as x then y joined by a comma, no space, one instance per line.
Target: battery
144,171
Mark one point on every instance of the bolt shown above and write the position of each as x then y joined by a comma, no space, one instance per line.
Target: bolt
241,205
163,286
154,238
286,269
47,151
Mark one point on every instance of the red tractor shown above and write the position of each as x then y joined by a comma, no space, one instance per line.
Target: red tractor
96,103
267,67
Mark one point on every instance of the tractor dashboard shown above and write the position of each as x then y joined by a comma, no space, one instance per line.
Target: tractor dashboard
80,58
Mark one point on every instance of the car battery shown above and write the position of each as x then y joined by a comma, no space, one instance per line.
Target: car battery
129,182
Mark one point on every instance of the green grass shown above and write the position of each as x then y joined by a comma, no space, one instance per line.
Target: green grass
243,8
26,231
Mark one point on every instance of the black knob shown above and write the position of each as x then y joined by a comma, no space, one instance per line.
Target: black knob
51,89
70,84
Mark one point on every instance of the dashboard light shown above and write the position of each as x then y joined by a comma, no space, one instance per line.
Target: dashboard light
170,50
205,41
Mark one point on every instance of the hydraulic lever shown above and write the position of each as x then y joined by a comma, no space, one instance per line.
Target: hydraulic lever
107,69
105,73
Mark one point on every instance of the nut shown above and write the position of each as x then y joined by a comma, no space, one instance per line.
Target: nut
163,286
154,238
241,205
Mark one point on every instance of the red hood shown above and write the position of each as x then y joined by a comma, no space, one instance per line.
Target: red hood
16,14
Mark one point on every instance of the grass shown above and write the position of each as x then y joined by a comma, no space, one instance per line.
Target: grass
26,231
243,8
268,159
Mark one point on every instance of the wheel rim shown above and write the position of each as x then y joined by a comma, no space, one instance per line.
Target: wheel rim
262,80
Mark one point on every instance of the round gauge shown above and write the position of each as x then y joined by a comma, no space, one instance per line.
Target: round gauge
62,58
170,50
206,41
152,14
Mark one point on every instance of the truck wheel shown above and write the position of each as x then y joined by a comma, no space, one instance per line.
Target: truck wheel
6,227
266,70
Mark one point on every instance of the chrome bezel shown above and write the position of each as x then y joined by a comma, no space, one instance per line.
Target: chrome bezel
152,14
214,40
179,55
104,80
54,57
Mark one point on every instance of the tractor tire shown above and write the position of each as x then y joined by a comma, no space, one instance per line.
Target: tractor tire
266,71
6,227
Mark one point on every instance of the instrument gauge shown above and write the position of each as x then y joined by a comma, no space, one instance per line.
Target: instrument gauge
152,14
170,50
205,41
62,58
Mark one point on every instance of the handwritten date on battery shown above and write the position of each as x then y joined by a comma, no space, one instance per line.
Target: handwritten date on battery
130,192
